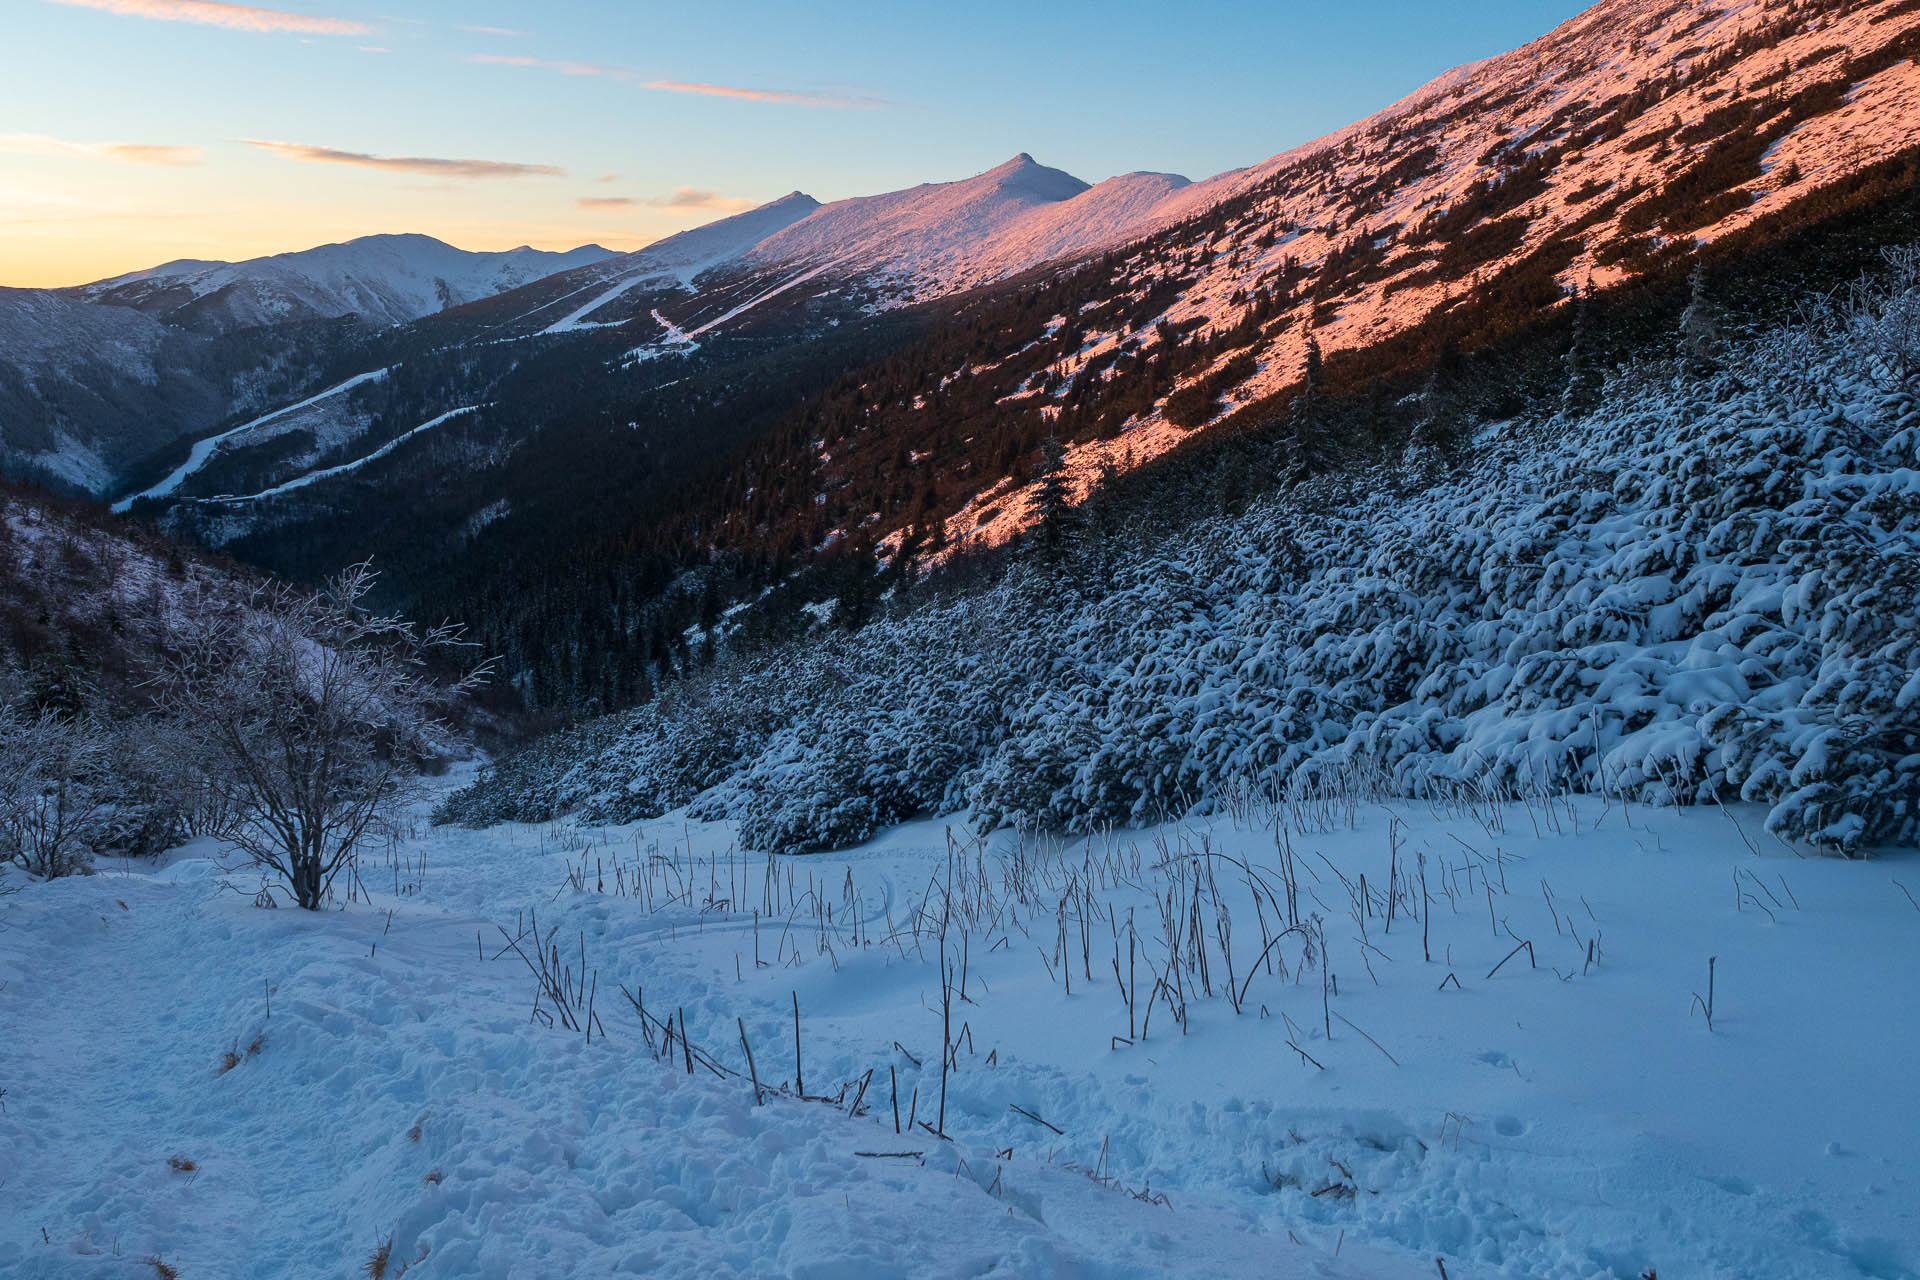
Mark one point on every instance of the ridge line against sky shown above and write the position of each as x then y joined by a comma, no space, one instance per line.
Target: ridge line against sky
145,130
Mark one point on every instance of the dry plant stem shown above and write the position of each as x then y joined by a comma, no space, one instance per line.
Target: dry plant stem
1526,946
752,1071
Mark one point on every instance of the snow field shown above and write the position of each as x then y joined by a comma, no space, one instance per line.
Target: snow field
1560,1117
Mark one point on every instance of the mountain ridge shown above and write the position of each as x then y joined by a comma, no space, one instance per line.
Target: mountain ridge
384,279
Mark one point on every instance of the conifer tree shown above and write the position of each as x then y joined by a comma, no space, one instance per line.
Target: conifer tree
1314,443
1313,371
1445,410
1699,325
1583,374
1052,499
58,684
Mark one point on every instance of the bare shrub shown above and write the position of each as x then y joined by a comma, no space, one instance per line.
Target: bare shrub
52,811
311,716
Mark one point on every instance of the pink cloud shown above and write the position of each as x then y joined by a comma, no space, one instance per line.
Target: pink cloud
763,95
701,88
148,153
236,17
39,144
694,198
428,166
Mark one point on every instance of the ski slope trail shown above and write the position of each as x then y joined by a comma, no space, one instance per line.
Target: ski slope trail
577,318
326,473
736,312
205,449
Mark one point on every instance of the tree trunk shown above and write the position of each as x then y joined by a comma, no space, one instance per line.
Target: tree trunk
306,881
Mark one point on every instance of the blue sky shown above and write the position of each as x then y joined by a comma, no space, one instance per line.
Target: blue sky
131,131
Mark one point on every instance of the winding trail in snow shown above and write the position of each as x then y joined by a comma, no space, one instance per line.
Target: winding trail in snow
324,473
205,449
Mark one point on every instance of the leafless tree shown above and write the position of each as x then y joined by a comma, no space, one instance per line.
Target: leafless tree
311,716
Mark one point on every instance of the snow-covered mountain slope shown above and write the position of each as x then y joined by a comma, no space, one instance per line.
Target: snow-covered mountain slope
94,379
41,329
915,244
1627,129
1105,214
1620,141
925,231
1701,588
98,599
690,252
384,279
575,300
84,388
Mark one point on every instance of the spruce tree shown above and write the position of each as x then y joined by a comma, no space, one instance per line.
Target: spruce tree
1052,499
1313,445
1583,373
59,685
1313,372
1699,325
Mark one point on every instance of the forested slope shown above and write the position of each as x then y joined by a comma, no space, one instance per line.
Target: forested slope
1701,586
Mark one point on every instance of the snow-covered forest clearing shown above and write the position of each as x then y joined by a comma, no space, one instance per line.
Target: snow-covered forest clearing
1552,1038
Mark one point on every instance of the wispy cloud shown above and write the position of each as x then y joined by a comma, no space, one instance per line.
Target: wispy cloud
236,17
508,32
150,153
429,166
767,95
695,198
564,66
39,144
701,88
373,48
682,198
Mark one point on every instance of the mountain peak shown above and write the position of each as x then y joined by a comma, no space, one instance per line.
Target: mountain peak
1028,179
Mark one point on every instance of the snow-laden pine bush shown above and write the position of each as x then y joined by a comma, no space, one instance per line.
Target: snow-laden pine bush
1705,588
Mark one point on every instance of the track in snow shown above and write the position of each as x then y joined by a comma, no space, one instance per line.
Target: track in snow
325,473
205,449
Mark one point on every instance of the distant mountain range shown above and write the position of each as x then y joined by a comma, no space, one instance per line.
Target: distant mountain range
94,377
384,280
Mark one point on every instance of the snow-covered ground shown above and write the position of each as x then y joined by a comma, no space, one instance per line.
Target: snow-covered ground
1560,1113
